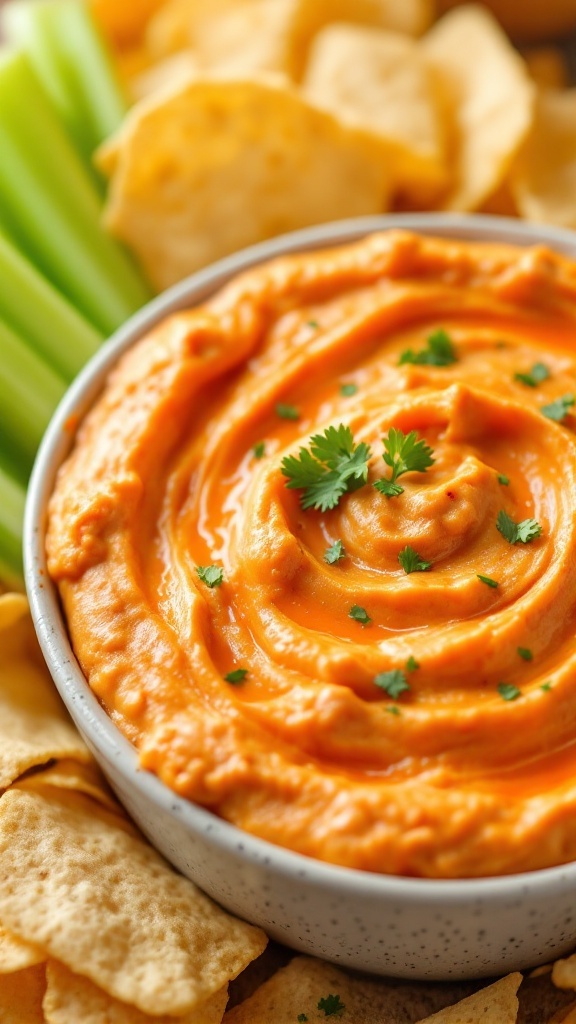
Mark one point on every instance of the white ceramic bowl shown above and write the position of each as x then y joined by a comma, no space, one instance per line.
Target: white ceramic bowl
397,926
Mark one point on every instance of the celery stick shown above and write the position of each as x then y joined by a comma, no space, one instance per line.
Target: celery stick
29,393
73,64
41,315
12,498
53,208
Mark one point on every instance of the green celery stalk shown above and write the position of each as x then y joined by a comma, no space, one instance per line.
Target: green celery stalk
74,65
29,393
12,498
52,208
40,314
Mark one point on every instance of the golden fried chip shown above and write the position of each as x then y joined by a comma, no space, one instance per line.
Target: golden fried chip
68,774
488,98
567,1015
380,81
34,725
123,20
71,999
543,180
495,1004
21,996
564,972
15,954
547,67
221,31
108,906
166,74
218,165
311,987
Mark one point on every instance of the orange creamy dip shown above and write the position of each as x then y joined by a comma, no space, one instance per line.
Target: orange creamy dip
305,751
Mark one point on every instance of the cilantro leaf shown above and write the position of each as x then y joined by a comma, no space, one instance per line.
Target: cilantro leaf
534,377
525,653
238,675
302,1018
439,351
503,479
314,324
359,615
559,409
388,488
393,682
347,390
517,533
486,579
411,561
259,450
392,709
334,553
508,691
287,412
331,1005
333,466
211,575
404,453
412,664
546,687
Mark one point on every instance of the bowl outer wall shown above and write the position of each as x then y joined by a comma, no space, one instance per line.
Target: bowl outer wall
403,927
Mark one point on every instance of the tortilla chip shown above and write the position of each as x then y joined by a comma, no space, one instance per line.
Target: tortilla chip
543,180
219,165
21,996
71,999
16,955
567,1015
68,774
221,30
488,97
496,1004
298,988
123,21
109,907
34,725
380,82
564,972
547,67
166,74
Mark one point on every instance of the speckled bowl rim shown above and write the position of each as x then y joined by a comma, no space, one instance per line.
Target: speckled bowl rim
83,706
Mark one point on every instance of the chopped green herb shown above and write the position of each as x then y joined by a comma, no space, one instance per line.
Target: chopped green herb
394,682
517,533
559,409
359,615
546,687
259,450
331,1005
313,323
486,579
238,675
412,664
411,561
333,466
525,653
302,1018
392,709
348,389
439,351
287,412
211,575
508,691
404,453
503,479
334,553
536,375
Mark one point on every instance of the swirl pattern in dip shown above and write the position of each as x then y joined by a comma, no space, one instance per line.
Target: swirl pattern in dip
471,769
